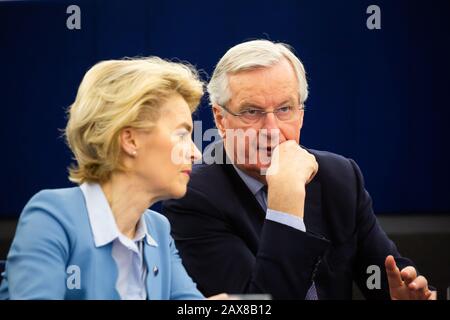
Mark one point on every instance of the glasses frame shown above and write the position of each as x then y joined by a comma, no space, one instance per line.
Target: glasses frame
301,107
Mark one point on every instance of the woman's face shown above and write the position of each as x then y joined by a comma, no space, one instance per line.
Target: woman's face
164,155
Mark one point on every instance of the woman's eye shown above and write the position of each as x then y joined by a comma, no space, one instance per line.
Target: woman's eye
183,134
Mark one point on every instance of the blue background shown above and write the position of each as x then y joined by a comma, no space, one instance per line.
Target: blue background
377,96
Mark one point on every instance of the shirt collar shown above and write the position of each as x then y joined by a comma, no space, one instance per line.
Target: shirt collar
101,218
254,185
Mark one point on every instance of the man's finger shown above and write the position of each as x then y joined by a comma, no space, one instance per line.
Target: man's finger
433,295
420,283
419,288
409,274
393,273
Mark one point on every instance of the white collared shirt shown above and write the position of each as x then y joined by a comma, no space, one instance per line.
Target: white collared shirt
128,254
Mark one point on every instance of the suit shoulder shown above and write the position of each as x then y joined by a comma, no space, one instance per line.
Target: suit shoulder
332,163
55,199
57,195
203,174
336,170
62,205
53,216
329,157
206,170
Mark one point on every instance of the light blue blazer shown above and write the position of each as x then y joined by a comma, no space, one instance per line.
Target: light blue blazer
53,255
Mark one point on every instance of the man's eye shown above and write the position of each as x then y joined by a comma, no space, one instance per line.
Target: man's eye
284,109
250,112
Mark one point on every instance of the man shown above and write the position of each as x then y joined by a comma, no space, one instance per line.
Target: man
299,226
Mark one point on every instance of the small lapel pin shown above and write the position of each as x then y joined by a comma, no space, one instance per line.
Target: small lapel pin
155,271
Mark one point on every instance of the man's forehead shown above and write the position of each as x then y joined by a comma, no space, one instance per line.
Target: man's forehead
265,100
270,86
281,71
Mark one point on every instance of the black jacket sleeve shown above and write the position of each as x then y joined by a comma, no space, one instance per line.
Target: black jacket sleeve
218,258
373,244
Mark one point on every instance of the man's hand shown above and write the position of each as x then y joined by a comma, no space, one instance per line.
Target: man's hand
405,284
291,168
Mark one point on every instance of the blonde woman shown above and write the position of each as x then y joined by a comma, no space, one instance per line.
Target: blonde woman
130,132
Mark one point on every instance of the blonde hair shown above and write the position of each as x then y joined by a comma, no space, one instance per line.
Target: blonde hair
116,94
252,55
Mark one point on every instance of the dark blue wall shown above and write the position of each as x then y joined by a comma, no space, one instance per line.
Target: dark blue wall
380,97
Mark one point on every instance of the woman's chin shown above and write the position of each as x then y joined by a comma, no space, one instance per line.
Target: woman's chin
178,193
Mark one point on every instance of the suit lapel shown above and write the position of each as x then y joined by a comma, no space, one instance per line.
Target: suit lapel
246,197
244,194
154,270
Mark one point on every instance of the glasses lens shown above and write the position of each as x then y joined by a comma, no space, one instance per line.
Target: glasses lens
283,114
287,113
251,116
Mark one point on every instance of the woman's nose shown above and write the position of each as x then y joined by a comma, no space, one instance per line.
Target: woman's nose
195,153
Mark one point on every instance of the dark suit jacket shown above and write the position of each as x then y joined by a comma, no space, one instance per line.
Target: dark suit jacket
227,245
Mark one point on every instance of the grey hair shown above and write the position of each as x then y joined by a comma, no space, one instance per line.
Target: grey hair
248,56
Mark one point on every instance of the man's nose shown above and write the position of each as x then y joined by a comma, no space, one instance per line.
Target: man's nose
270,121
270,130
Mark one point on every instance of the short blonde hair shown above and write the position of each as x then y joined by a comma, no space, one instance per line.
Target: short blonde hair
116,94
248,56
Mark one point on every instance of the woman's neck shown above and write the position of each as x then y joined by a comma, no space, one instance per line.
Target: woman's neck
128,200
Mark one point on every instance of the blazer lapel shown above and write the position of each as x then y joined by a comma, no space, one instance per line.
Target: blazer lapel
105,274
154,272
244,194
246,197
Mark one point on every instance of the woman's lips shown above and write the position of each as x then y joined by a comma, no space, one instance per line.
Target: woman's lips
187,172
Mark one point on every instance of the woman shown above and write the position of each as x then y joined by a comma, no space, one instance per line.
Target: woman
130,132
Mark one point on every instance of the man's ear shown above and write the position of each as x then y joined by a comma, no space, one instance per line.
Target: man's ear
128,141
219,119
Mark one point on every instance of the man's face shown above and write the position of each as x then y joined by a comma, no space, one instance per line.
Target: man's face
267,89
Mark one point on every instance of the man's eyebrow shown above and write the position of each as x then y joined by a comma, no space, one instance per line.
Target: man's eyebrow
249,105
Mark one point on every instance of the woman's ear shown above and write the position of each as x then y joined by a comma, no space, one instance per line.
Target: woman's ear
128,141
219,119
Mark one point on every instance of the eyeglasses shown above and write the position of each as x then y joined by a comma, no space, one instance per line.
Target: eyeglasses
253,115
